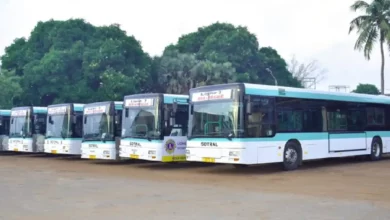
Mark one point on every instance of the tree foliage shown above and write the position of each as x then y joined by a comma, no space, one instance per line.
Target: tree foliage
366,89
74,61
372,27
238,53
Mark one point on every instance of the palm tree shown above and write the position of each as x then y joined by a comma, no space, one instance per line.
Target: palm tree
373,25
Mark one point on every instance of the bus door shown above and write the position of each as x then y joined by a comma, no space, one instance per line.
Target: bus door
345,130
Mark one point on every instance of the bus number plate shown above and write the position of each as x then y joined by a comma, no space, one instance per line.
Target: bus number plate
53,151
92,156
208,159
16,149
134,156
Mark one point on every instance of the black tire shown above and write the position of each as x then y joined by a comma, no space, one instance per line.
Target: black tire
292,156
376,149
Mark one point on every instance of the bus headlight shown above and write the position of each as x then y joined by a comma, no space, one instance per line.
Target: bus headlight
234,153
188,152
106,152
152,152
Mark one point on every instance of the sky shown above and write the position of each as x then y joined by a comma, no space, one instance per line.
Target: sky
308,29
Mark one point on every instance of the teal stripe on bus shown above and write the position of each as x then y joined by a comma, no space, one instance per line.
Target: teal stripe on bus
298,136
322,96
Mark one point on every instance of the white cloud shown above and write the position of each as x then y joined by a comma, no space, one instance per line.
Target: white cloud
310,29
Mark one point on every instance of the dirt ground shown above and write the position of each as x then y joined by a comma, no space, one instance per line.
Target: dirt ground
46,187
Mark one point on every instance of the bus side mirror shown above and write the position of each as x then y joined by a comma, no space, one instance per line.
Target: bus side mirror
85,119
174,106
1,120
191,109
35,117
248,108
74,119
50,120
126,112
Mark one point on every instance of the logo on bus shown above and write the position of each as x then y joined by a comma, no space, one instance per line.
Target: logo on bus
208,144
170,146
54,142
93,146
134,144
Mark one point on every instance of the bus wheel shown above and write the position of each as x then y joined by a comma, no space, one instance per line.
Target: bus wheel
292,156
376,149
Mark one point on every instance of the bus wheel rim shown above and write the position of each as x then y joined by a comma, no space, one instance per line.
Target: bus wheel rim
291,156
376,149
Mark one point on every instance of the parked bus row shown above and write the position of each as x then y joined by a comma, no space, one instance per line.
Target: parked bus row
236,123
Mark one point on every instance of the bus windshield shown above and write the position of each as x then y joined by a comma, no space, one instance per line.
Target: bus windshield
214,119
141,122
58,126
98,127
20,126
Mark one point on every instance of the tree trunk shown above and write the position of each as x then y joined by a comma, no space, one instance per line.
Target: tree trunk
382,69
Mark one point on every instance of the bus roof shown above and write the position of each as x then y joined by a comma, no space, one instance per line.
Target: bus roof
36,109
77,107
118,104
168,98
255,89
5,112
291,92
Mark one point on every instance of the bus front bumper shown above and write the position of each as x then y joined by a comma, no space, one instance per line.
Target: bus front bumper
99,153
144,153
228,156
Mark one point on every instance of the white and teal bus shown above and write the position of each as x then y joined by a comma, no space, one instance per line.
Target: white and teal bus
27,129
101,130
245,124
64,129
4,128
154,127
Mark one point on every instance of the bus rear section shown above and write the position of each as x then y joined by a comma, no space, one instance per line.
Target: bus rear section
101,130
154,127
27,129
4,128
64,129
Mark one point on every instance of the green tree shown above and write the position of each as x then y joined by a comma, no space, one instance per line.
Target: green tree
235,48
10,89
74,61
366,89
180,72
373,26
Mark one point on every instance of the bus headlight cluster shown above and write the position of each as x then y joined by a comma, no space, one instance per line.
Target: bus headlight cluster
188,152
106,152
152,152
234,153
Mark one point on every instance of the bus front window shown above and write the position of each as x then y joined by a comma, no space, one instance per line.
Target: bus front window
98,127
58,126
141,122
214,119
20,126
